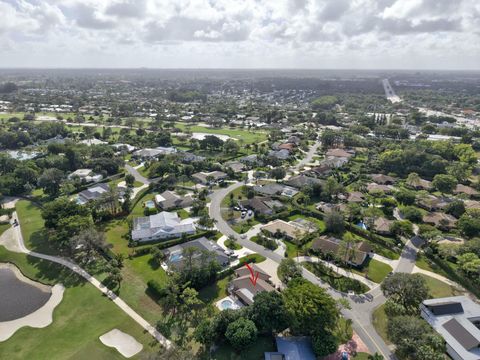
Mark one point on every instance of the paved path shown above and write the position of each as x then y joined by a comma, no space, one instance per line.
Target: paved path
20,246
309,157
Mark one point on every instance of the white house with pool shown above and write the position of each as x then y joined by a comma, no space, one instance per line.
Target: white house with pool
163,225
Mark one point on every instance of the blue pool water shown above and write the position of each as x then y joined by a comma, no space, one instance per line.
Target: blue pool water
175,257
150,204
226,304
362,225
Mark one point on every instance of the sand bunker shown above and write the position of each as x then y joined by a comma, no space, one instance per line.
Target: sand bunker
39,318
124,343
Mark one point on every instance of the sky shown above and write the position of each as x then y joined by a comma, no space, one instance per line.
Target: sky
312,34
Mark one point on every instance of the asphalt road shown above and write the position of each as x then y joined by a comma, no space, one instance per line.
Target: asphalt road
362,306
139,177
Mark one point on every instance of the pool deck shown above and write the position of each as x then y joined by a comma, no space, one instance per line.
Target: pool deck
235,303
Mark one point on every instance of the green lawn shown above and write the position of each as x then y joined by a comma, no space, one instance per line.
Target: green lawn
380,323
335,280
32,225
214,292
256,258
3,227
374,270
183,214
439,289
83,315
233,245
243,226
136,273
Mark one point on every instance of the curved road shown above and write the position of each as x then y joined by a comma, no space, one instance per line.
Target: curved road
362,306
20,245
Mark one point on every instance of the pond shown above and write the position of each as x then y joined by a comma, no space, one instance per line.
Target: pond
19,296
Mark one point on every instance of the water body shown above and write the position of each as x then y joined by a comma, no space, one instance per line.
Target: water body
19,296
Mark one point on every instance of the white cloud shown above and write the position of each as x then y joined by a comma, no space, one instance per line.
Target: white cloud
232,33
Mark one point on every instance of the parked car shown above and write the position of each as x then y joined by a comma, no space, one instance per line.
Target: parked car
250,212
244,213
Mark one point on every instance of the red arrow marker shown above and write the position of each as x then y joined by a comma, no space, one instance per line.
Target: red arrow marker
253,278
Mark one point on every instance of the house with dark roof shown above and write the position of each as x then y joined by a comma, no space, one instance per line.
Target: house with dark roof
175,259
331,245
204,177
303,180
275,189
92,193
242,287
170,200
263,205
457,320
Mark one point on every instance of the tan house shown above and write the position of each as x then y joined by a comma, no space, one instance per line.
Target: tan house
440,220
463,189
382,179
355,196
340,153
382,226
289,229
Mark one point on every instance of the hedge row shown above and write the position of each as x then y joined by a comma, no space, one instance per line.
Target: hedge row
145,249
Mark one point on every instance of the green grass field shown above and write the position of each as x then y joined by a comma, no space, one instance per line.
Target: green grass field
3,227
376,270
83,315
335,280
33,230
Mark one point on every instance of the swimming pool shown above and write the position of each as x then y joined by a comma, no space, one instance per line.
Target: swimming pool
150,204
226,304
175,257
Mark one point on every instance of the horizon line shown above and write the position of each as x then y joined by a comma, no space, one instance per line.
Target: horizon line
237,68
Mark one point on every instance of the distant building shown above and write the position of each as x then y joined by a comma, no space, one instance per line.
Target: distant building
204,177
457,320
85,175
92,193
90,142
163,225
148,154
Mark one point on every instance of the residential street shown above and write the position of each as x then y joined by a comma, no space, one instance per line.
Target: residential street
362,306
